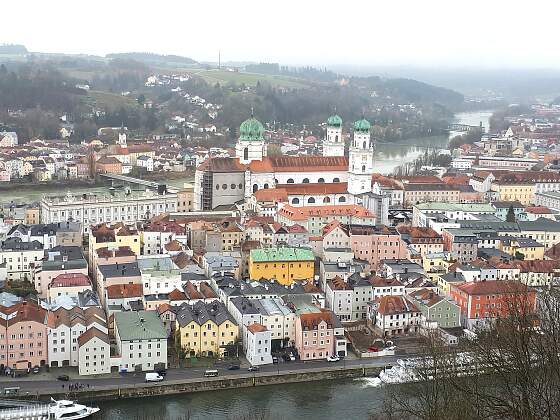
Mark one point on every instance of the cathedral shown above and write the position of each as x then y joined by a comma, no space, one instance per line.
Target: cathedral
330,179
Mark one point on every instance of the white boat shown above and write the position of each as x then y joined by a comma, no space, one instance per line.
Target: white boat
69,410
62,409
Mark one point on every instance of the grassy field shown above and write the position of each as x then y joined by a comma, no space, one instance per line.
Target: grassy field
110,100
250,79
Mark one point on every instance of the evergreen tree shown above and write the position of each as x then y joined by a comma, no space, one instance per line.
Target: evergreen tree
510,215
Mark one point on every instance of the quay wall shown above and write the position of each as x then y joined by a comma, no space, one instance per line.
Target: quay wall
112,392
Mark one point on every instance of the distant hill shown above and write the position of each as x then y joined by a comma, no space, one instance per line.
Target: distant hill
151,58
13,49
410,90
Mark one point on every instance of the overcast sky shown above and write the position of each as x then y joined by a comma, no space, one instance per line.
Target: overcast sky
477,33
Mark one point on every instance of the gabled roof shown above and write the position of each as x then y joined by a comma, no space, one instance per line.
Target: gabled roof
391,305
93,333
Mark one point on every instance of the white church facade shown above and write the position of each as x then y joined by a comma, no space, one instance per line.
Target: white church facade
329,179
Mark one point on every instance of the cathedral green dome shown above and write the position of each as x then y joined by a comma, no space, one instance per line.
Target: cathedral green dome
251,130
334,121
362,125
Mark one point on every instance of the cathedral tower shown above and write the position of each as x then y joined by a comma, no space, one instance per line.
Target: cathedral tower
360,161
250,145
333,144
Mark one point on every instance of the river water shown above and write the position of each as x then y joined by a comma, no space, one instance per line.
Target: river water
344,399
390,155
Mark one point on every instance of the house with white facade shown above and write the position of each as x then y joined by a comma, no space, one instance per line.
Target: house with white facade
258,344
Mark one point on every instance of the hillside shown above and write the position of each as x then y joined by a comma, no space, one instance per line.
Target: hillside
153,59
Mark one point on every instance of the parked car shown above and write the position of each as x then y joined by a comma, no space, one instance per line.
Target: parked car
275,360
254,369
333,358
391,348
161,372
36,369
286,357
373,349
233,367
64,378
292,357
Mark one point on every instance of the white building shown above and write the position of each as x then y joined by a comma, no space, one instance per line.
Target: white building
95,209
145,162
394,315
258,345
20,258
94,353
141,341
65,327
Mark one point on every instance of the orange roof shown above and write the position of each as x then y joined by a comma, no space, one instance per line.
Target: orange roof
256,328
272,195
389,305
538,210
300,164
315,189
303,213
177,295
492,287
116,291
311,321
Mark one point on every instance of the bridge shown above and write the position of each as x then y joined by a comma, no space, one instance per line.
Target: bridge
465,127
122,180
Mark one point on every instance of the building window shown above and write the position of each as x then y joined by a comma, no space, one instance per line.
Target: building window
310,200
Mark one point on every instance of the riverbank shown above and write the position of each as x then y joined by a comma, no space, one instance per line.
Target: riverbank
187,386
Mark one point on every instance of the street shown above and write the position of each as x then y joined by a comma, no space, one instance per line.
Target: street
34,384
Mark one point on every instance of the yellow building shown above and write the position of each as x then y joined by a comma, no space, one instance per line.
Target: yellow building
527,247
436,264
185,199
445,281
115,236
206,329
285,265
522,192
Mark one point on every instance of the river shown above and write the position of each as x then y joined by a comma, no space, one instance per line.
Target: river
345,399
390,155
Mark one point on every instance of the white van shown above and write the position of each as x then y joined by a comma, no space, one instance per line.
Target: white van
210,373
153,377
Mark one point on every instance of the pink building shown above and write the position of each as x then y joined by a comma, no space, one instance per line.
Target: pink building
319,335
23,335
376,243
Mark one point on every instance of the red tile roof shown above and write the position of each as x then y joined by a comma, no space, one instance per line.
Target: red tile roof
117,291
303,213
315,189
300,164
538,210
70,280
493,287
311,321
256,328
390,305
272,195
